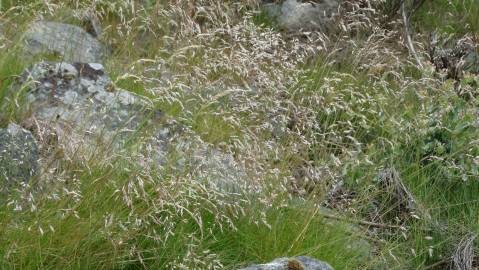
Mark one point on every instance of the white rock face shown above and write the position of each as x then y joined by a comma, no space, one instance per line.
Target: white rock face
70,42
295,15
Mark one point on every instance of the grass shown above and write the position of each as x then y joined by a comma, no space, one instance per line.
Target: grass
93,231
300,115
451,17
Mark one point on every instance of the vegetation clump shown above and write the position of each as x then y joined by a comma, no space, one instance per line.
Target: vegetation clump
358,147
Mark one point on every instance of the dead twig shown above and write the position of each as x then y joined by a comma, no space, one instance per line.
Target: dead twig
436,264
365,223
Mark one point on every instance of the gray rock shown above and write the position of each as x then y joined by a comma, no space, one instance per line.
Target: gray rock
18,155
296,263
295,15
80,102
211,166
191,157
454,57
70,42
272,9
82,99
471,62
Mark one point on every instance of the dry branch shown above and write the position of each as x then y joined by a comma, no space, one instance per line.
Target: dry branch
407,33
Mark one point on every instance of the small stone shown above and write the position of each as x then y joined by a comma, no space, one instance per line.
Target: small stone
96,66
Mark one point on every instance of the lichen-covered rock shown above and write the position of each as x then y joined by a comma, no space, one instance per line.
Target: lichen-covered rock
455,58
18,155
89,115
70,42
83,98
295,15
296,263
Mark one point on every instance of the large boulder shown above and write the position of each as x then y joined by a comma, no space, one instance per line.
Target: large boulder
81,99
297,263
91,116
18,155
295,15
70,42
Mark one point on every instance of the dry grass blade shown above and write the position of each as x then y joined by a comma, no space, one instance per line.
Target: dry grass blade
393,184
463,257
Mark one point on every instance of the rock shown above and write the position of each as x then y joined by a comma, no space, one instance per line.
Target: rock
83,96
81,103
18,155
456,58
272,9
295,15
70,42
471,62
89,113
296,263
210,165
188,155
